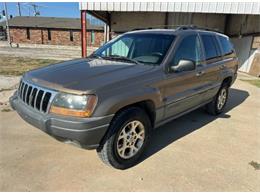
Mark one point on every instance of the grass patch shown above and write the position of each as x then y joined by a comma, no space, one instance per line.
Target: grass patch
16,66
5,89
255,82
6,110
254,164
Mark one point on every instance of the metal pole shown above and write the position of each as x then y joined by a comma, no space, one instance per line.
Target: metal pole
19,9
83,34
7,25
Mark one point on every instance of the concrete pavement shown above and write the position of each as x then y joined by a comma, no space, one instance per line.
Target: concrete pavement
196,152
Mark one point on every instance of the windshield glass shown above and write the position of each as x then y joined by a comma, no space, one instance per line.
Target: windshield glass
143,48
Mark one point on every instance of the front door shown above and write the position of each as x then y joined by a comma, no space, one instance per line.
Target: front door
182,89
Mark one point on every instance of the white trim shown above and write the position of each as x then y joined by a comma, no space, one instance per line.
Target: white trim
196,7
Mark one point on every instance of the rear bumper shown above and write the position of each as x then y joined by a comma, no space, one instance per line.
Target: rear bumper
84,132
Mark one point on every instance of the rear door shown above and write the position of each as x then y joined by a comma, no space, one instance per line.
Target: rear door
230,61
213,62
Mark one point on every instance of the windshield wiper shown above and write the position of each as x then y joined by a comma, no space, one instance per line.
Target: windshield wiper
117,57
94,55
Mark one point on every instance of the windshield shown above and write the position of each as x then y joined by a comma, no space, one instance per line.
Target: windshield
141,48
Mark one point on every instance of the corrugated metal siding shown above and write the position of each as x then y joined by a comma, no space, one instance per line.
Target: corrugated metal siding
197,7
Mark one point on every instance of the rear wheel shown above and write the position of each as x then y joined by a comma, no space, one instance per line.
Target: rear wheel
217,105
126,138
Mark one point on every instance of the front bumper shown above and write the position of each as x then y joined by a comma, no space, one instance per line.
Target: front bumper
85,132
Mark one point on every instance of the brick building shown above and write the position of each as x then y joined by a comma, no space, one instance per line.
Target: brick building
52,31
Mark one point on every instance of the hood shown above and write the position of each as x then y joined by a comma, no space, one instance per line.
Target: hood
84,74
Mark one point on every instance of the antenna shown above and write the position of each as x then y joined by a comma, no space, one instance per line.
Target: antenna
35,8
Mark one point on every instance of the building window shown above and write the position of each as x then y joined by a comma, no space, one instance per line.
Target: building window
28,33
49,34
71,35
92,37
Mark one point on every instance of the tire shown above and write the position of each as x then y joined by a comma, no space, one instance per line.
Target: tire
214,107
117,149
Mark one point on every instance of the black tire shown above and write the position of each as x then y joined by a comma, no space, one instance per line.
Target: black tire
212,108
108,151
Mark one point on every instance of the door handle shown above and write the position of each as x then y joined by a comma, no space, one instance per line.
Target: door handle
200,73
222,66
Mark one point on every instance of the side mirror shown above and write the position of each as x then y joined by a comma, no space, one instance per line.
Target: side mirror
183,65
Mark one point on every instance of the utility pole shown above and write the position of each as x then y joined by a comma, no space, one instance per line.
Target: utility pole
19,9
7,25
83,34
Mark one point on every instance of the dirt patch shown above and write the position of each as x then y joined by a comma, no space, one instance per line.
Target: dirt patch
8,85
256,165
6,110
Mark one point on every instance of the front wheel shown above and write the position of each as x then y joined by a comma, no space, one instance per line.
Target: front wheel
218,103
126,138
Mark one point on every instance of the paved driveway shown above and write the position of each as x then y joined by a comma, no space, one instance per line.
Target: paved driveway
196,152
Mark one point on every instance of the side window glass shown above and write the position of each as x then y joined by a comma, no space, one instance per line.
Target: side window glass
226,45
189,49
120,48
209,46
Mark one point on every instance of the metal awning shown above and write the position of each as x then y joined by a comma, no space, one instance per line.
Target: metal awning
194,7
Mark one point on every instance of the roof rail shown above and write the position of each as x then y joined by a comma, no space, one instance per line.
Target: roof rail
180,27
194,27
158,27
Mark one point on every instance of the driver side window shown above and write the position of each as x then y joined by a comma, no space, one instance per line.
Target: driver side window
188,49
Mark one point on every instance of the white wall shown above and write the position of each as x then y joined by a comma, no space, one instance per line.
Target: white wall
244,52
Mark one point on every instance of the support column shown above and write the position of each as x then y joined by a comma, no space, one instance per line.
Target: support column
83,34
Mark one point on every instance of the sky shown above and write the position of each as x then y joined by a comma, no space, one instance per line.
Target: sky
50,9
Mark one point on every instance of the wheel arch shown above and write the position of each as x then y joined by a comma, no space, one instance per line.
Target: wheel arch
147,105
227,81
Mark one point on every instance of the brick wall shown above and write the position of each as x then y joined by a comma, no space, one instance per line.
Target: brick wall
58,37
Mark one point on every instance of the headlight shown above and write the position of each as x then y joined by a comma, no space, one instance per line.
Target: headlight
73,105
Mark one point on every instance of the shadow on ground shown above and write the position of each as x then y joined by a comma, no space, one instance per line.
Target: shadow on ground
178,128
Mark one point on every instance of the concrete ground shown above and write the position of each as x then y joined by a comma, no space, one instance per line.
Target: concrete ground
196,152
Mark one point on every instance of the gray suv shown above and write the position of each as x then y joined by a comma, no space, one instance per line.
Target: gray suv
112,100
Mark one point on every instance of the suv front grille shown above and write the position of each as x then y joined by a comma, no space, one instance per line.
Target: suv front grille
35,97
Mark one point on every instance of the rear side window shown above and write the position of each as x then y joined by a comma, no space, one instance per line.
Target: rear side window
209,46
226,45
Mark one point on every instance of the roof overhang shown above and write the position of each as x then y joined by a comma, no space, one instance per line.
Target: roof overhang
194,7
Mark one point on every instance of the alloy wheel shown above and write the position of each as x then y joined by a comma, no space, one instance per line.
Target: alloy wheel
222,98
130,139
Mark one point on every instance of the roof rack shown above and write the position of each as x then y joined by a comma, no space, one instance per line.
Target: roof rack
180,27
194,27
158,27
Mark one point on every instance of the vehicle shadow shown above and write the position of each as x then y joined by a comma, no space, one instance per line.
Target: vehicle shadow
178,128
